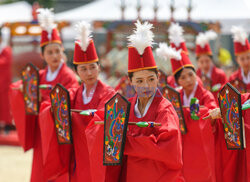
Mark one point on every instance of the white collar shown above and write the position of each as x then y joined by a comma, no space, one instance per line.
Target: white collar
186,101
246,79
51,76
209,74
137,112
87,99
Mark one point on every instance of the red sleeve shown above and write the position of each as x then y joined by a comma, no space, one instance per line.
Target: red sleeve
100,108
223,79
5,69
105,97
70,81
25,124
94,135
56,158
165,146
208,102
5,57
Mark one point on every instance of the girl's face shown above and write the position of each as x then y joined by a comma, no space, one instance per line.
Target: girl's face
244,61
88,72
145,83
204,63
53,54
187,79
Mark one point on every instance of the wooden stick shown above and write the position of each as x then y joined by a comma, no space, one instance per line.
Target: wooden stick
16,88
189,106
76,110
207,117
133,123
45,86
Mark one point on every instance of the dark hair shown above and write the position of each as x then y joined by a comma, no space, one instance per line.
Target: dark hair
131,74
43,47
210,56
178,74
75,65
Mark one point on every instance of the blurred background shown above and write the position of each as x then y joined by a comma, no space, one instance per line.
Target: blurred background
112,22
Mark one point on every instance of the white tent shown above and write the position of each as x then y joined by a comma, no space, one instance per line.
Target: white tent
202,10
228,12
19,11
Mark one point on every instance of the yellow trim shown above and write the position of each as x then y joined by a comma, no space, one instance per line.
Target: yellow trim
204,53
92,61
144,68
48,42
242,52
187,65
185,52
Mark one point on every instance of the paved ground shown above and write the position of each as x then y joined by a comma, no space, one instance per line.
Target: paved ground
15,165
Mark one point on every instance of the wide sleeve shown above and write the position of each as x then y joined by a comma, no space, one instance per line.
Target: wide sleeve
164,145
207,103
25,124
56,157
108,94
5,57
223,79
94,135
70,80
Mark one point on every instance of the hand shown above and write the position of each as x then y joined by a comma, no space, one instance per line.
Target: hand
212,114
20,88
215,113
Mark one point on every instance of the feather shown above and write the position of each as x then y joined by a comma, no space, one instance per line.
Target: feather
204,38
46,19
176,34
166,52
142,36
84,34
239,34
211,35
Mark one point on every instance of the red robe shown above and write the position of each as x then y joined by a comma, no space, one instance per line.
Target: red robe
75,158
5,81
218,76
246,116
153,154
27,125
198,143
66,77
237,74
233,165
102,94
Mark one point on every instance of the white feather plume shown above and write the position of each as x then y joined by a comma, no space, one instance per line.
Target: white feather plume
211,35
84,34
166,52
176,34
142,37
239,34
204,38
46,19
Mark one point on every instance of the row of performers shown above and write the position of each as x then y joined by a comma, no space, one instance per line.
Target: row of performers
150,154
